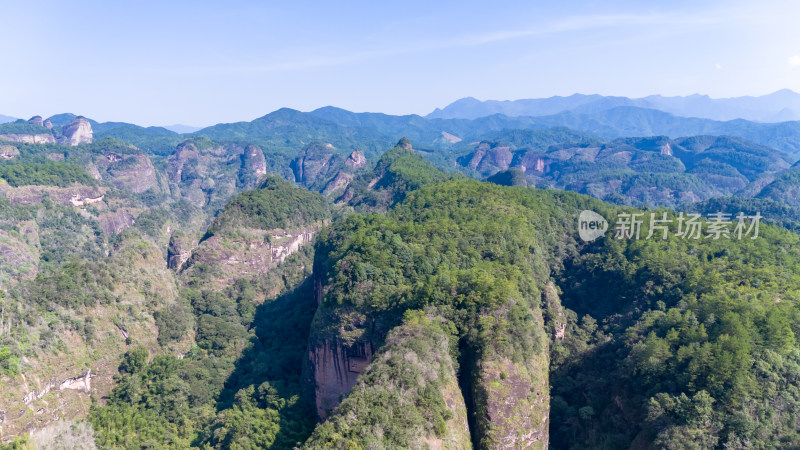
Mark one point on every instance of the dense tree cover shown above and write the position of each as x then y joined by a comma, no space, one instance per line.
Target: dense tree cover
684,344
539,139
400,170
402,394
277,203
774,212
43,172
476,252
668,343
239,386
638,171
286,130
22,127
510,177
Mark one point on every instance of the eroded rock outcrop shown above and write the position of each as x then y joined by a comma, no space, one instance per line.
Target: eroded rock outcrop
29,138
335,367
133,173
78,196
77,132
253,161
356,160
179,250
488,158
315,166
247,253
419,350
80,383
338,183
8,152
116,221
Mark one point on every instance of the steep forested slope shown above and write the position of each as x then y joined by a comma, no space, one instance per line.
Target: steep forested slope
444,312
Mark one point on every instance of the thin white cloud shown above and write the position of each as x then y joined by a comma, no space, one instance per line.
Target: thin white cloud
568,25
794,61
718,66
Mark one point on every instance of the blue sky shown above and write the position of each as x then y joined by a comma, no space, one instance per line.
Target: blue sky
200,63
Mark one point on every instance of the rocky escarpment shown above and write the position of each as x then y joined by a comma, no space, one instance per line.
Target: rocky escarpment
253,162
414,367
81,383
78,196
77,132
338,184
356,160
487,158
29,138
511,395
179,250
368,284
335,367
8,152
201,172
184,153
317,164
246,253
113,222
134,173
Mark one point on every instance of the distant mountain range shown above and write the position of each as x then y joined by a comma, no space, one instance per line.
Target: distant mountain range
780,106
286,130
181,128
6,119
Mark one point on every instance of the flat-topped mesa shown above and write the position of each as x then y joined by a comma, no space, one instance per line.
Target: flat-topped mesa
77,132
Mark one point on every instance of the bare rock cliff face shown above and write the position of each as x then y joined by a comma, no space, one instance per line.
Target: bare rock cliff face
29,138
77,132
179,250
254,162
251,252
511,387
114,222
335,367
421,349
486,158
356,159
175,163
338,184
8,152
133,173
315,163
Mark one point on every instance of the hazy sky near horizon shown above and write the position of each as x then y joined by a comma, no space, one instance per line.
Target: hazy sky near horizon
202,62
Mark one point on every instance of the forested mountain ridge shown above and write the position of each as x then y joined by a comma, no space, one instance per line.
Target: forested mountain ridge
205,302
640,171
373,132
778,106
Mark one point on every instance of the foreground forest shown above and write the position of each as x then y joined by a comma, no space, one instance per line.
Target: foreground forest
194,297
